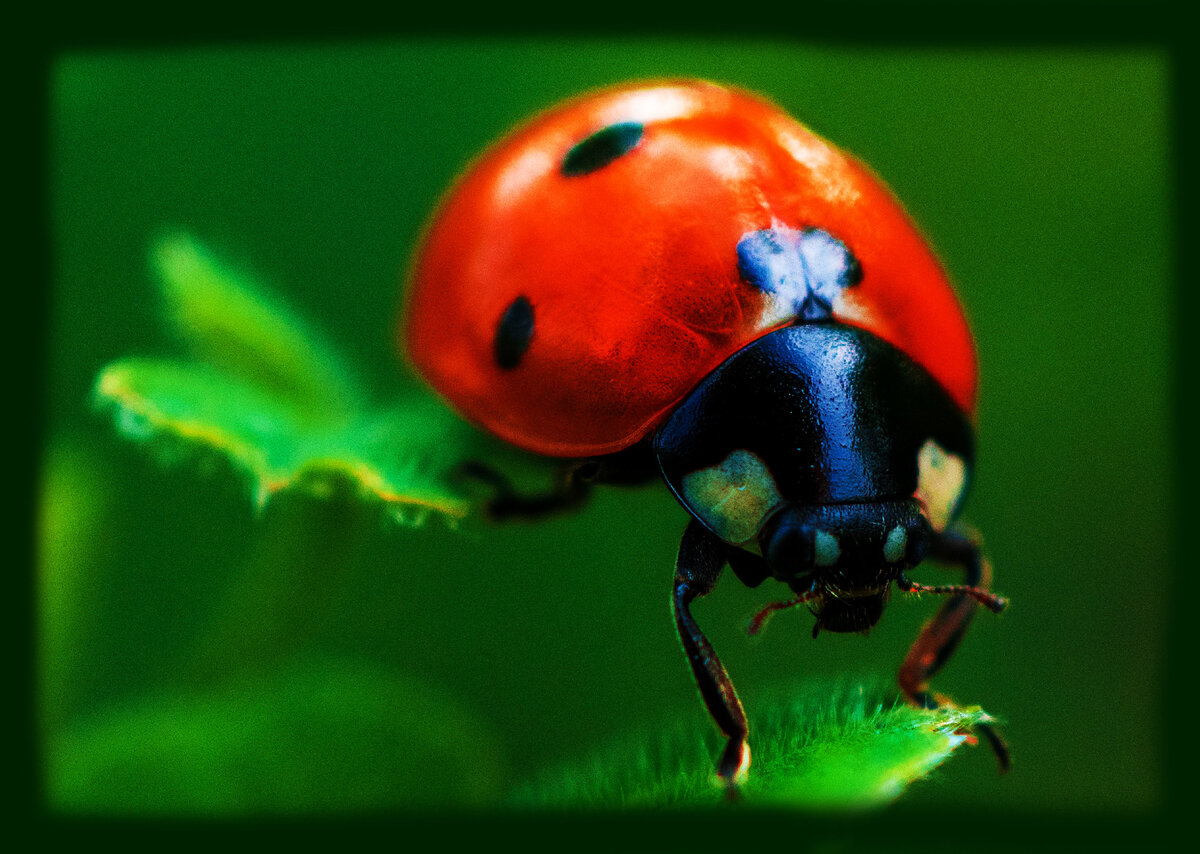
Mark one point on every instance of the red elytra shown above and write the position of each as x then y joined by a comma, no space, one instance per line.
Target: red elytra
632,272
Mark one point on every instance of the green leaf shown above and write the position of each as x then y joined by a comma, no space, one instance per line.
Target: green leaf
326,736
826,748
269,395
197,404
182,408
230,322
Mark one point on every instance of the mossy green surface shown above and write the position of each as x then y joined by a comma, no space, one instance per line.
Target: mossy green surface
826,747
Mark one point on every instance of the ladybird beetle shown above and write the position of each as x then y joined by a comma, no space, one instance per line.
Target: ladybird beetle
677,280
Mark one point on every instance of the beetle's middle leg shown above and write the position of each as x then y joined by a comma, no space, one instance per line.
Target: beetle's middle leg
570,490
941,636
699,565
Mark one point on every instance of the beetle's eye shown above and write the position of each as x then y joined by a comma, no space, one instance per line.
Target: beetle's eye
790,549
793,545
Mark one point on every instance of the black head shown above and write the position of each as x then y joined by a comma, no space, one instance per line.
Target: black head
845,556
810,447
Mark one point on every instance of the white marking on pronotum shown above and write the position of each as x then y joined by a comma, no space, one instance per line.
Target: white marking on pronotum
801,272
734,497
941,478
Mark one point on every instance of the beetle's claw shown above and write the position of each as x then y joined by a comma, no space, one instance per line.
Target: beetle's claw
1003,760
733,769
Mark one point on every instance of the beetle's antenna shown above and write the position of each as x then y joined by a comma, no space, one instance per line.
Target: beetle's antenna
990,601
760,619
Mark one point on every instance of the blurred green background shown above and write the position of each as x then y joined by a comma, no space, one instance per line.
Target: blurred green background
1042,178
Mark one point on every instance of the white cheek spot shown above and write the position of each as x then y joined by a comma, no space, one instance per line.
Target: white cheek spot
895,545
941,478
826,549
734,497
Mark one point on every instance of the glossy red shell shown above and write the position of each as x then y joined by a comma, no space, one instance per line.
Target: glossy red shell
632,270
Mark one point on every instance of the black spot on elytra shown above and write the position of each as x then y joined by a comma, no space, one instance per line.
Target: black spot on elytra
513,333
601,148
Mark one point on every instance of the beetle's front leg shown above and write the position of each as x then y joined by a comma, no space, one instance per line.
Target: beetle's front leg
699,565
942,635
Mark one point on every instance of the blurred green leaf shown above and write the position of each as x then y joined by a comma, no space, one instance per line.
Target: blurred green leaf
825,748
325,736
155,399
267,393
72,514
230,322
181,408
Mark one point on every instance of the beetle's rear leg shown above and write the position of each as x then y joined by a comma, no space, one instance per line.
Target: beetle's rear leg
699,565
942,635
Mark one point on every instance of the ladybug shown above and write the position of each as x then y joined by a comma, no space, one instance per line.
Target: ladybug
677,281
